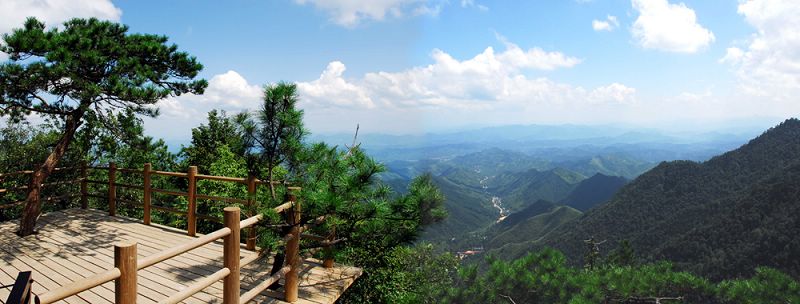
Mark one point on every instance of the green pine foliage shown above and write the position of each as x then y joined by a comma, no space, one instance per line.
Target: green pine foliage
546,277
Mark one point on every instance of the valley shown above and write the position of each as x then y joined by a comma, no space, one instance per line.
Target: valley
507,198
509,203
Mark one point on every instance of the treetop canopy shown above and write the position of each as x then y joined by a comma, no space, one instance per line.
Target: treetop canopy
92,66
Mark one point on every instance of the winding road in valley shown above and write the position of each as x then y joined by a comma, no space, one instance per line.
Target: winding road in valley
497,202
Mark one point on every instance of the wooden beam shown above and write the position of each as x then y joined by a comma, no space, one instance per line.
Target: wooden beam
125,261
84,187
251,205
21,291
293,251
146,197
230,256
191,213
112,191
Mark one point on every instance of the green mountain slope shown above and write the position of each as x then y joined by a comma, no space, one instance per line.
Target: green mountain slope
468,209
593,191
719,218
609,164
521,189
531,223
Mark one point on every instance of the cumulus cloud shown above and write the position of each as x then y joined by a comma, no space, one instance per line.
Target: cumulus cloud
350,13
228,91
611,23
769,64
330,89
669,27
53,12
489,80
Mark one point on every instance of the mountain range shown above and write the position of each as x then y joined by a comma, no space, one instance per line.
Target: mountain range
721,217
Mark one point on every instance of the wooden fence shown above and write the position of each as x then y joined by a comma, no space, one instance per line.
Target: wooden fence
125,258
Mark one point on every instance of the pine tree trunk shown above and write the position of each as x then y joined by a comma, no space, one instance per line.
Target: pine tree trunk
271,186
33,204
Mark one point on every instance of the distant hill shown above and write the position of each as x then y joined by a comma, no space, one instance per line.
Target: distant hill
609,164
719,218
531,223
594,190
468,209
520,189
494,161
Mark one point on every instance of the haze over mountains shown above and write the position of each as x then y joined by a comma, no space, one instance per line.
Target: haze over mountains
671,198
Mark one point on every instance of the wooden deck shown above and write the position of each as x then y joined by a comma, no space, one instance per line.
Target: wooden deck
76,243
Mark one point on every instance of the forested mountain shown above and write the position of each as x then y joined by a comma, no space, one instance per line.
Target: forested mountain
467,208
594,190
609,164
520,189
719,218
529,224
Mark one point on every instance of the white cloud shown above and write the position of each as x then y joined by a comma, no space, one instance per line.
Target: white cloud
485,82
330,89
228,91
350,13
471,3
669,27
611,23
769,65
53,12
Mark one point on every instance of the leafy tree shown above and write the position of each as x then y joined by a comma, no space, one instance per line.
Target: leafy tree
221,130
87,71
274,136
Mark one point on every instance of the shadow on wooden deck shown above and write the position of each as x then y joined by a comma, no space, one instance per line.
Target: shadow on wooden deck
75,243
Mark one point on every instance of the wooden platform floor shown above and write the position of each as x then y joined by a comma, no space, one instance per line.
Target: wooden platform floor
73,244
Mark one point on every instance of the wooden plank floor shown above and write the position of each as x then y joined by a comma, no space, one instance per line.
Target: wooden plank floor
73,244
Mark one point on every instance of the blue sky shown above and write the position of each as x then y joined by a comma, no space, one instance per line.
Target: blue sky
407,66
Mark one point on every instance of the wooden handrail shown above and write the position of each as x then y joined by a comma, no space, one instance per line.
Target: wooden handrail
16,173
222,199
126,266
167,173
46,199
252,293
129,186
43,185
78,286
171,252
222,178
168,209
231,234
169,192
197,286
127,170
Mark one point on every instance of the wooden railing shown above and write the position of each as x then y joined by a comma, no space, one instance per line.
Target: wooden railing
191,194
126,265
20,189
125,258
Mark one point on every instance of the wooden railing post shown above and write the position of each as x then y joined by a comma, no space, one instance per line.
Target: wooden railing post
251,205
230,256
84,187
146,189
293,250
328,251
191,213
125,261
112,189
